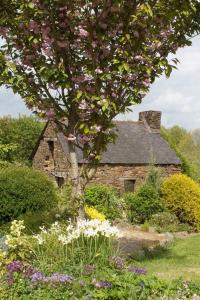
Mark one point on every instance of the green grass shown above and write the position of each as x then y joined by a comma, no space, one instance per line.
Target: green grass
181,259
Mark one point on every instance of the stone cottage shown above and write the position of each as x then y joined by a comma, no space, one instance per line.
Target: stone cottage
124,165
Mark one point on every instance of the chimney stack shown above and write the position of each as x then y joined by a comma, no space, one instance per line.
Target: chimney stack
152,119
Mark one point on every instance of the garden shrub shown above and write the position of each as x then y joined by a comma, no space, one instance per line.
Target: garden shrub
143,203
168,222
182,196
104,199
24,190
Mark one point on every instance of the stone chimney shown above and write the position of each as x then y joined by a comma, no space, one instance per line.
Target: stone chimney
152,119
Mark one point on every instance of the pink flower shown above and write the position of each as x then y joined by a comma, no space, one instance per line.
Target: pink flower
98,71
33,26
82,32
139,57
146,82
50,114
94,44
83,105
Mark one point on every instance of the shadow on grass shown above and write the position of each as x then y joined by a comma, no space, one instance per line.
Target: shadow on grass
160,253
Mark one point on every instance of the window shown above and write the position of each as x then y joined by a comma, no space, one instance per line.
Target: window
60,181
129,185
51,147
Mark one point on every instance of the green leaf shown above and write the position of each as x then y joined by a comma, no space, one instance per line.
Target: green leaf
79,94
31,5
86,130
147,9
82,126
126,67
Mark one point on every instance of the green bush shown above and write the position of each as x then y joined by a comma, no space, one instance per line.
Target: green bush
168,222
143,204
24,190
104,199
18,137
182,197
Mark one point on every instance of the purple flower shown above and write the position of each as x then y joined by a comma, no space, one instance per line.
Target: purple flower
118,262
89,269
29,271
137,270
37,276
58,278
15,266
103,284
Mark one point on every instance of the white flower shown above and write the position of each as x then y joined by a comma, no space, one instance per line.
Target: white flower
39,239
43,229
90,232
63,239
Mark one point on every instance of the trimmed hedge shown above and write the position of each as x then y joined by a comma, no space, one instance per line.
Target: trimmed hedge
182,196
24,190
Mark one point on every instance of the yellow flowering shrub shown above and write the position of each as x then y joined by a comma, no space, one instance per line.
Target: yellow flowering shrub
92,213
182,196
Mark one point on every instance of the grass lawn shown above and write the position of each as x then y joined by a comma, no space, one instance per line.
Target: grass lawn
181,259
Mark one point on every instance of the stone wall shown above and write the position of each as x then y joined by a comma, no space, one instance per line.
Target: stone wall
49,156
115,175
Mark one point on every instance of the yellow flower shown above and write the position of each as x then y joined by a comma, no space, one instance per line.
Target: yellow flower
92,213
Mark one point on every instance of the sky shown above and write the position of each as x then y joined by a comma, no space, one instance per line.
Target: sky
177,97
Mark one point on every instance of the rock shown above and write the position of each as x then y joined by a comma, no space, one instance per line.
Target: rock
133,241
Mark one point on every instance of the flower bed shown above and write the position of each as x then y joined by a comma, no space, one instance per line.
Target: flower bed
78,261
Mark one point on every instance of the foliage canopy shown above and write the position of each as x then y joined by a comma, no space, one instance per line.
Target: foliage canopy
90,60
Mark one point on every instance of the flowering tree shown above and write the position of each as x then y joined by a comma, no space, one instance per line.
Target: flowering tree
88,61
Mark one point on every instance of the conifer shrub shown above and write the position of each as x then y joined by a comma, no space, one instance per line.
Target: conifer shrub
23,190
181,195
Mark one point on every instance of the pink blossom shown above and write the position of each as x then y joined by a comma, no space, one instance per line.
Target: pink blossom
97,128
48,51
83,78
63,8
94,44
146,82
98,71
50,115
83,105
82,32
33,26
139,57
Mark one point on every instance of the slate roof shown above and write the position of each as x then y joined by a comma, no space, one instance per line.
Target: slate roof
135,144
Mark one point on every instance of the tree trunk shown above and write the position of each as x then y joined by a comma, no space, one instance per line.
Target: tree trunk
75,179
